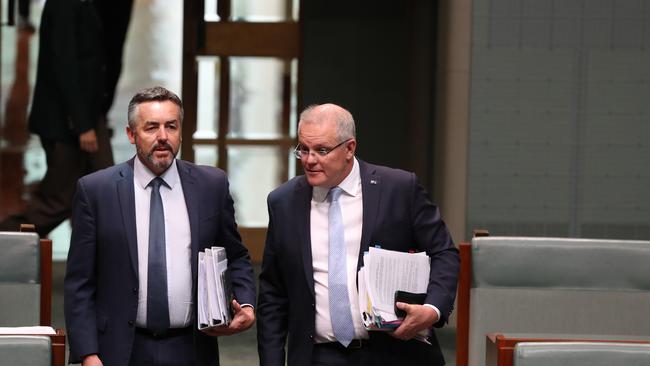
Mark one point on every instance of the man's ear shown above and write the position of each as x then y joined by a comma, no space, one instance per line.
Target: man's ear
351,148
130,134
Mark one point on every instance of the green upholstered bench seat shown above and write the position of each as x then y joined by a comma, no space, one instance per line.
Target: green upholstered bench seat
581,354
20,279
559,286
25,350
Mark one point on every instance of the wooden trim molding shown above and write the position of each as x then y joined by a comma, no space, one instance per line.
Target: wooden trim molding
464,285
46,282
252,39
58,348
282,141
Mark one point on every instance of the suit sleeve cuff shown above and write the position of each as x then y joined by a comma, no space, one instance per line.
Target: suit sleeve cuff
251,306
432,307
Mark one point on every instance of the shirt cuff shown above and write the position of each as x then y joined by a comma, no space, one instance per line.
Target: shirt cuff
432,307
251,306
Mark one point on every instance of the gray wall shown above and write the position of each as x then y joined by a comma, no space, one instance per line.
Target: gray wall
559,134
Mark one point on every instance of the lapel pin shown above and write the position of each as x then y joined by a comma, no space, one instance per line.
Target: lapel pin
373,181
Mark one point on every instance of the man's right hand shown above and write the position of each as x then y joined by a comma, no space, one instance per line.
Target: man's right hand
243,319
92,360
88,141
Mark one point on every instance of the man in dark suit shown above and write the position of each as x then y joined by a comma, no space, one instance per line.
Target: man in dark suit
67,110
375,206
115,16
131,279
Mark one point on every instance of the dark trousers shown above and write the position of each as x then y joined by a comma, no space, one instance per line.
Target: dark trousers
177,350
381,350
51,202
333,354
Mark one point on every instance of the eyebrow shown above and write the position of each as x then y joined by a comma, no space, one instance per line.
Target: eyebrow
154,122
317,146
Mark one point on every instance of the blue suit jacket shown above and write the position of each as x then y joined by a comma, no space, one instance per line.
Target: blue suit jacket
101,283
398,215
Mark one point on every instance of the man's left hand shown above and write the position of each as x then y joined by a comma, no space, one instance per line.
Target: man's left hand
88,141
243,319
418,317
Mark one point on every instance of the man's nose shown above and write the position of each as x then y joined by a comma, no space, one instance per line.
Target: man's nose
311,158
162,134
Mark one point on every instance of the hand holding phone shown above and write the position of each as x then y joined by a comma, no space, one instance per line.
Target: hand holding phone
409,298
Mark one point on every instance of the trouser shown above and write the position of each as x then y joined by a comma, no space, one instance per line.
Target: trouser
334,354
51,202
171,350
380,350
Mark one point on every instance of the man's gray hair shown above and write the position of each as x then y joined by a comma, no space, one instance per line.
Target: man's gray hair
154,94
317,113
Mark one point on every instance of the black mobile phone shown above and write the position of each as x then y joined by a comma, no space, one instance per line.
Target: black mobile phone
409,298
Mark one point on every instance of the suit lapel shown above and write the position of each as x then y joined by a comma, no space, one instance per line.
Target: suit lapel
126,197
192,201
302,215
371,189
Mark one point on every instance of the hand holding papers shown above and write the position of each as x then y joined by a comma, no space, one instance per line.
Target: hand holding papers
409,298
385,272
243,318
217,311
214,292
417,323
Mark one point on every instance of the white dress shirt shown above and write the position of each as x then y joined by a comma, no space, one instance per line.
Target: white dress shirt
352,210
178,243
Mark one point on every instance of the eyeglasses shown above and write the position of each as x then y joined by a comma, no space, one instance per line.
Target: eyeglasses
302,151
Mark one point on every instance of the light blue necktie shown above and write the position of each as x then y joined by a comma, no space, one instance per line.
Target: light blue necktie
157,303
337,277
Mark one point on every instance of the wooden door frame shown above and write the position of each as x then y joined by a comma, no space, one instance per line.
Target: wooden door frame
227,39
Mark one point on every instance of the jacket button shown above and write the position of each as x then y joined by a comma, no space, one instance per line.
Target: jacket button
311,337
313,305
131,323
135,290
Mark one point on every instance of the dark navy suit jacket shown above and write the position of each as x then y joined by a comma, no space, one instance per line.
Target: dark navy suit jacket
101,283
398,215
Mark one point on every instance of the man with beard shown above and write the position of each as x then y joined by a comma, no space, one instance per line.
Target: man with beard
130,285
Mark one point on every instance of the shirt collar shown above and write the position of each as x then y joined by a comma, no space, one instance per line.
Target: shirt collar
351,185
143,175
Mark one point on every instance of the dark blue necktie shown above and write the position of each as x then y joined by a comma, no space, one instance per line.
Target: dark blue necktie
339,301
157,303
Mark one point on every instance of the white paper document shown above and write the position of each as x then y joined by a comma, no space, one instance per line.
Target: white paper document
390,271
383,273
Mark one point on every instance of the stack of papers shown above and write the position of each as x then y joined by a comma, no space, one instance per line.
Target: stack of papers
383,273
214,291
35,330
